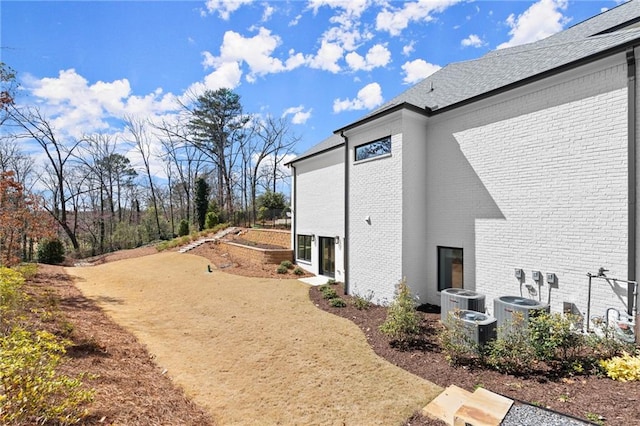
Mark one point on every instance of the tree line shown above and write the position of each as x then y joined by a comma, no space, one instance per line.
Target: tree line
100,201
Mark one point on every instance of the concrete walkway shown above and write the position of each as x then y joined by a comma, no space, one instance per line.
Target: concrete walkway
252,351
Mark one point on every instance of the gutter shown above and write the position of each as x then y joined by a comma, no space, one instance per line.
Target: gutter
345,238
631,160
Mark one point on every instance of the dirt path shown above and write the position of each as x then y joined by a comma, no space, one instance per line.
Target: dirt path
249,349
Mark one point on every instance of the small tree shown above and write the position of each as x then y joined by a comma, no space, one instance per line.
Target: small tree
51,251
403,321
202,202
183,228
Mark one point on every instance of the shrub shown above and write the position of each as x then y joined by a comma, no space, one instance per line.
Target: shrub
298,270
362,302
403,321
337,302
51,251
282,269
328,292
211,220
553,338
456,343
27,270
183,228
624,368
10,294
332,281
512,352
30,389
287,264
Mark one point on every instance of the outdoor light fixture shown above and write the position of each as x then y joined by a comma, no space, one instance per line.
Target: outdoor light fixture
313,237
367,219
337,238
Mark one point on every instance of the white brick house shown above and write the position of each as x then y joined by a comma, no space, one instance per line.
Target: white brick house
525,159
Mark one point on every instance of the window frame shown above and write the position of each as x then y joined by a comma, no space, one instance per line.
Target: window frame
304,246
386,140
441,276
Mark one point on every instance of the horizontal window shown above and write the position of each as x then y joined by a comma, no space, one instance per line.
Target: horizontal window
303,251
373,149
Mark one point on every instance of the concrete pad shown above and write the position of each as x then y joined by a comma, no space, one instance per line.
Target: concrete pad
444,406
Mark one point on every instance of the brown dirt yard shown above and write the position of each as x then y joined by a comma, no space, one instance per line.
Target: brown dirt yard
251,350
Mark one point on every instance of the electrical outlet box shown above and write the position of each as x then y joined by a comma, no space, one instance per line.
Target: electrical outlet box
535,275
519,273
551,278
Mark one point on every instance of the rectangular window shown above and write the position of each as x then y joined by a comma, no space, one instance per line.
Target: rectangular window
450,271
373,149
304,248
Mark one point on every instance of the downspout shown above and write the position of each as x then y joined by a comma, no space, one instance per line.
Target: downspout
345,239
631,152
294,219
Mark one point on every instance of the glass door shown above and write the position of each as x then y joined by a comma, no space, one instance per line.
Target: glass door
327,256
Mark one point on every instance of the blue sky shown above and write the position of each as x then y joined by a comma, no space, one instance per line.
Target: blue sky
323,63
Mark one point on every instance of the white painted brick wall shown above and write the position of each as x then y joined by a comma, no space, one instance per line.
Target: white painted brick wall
558,177
320,204
375,191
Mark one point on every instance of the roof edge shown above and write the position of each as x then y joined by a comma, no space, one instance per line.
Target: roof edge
377,115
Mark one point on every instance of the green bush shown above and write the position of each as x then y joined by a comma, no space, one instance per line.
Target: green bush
553,337
183,228
328,292
337,302
331,281
211,220
362,302
31,391
287,264
298,270
403,321
282,269
457,346
51,251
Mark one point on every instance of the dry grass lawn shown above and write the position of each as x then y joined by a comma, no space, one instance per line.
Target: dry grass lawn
252,350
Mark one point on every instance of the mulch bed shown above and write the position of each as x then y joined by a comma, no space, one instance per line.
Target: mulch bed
615,402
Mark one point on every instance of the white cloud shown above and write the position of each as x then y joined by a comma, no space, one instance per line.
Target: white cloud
541,20
224,7
394,20
418,70
409,48
472,41
370,96
351,8
255,51
300,116
327,57
377,56
268,12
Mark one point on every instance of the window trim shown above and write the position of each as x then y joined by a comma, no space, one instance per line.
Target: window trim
305,246
440,272
371,157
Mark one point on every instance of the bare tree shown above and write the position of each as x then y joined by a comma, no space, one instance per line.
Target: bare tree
141,140
34,125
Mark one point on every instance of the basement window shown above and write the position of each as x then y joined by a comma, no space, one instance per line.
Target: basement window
373,149
450,273
304,248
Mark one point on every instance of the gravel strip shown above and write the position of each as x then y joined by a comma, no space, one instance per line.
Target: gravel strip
530,415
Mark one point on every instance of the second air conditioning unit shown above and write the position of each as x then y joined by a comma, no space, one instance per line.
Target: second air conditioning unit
452,299
512,312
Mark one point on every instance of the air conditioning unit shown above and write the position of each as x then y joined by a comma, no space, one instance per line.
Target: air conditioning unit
505,309
452,299
478,327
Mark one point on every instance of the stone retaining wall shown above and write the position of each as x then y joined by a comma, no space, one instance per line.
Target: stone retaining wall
257,256
273,237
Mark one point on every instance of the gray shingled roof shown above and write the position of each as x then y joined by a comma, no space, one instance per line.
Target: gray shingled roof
462,81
